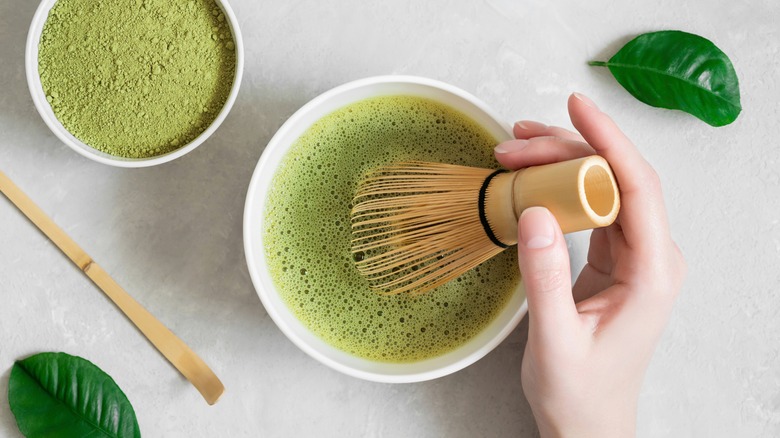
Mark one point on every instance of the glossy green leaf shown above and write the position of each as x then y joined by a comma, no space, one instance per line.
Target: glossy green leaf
678,70
58,395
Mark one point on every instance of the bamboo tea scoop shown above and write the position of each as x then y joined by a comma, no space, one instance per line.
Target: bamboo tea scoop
174,349
418,225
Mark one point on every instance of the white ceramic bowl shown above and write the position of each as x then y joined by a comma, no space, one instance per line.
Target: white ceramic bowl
46,112
296,125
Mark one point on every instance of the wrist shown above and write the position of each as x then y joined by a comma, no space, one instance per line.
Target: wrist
606,423
604,430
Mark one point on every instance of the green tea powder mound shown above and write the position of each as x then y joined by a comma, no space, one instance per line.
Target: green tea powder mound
136,78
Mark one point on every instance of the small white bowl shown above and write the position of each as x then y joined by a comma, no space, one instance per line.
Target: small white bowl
466,354
46,112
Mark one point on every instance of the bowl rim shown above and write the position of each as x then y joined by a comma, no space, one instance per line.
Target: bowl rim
253,231
47,114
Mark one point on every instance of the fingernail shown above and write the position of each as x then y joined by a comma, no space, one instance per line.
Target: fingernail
530,125
511,146
586,100
536,228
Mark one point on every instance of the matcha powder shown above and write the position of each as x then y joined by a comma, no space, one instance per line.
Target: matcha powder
136,78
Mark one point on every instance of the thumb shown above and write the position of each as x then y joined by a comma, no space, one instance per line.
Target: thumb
546,275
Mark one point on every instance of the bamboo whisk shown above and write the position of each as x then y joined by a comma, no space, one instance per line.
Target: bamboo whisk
418,225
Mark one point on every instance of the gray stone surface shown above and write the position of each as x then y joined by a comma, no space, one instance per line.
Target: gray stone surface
171,235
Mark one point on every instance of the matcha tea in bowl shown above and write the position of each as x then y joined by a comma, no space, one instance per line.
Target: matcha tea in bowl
297,232
134,83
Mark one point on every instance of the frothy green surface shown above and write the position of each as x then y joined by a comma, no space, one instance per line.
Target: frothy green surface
136,78
307,232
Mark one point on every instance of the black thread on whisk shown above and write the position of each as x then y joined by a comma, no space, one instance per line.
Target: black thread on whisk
482,217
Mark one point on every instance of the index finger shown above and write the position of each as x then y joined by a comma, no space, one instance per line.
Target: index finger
642,215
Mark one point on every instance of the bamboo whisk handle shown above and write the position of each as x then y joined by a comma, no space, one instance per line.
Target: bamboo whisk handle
580,193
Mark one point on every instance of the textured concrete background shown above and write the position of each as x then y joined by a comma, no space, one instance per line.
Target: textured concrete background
171,235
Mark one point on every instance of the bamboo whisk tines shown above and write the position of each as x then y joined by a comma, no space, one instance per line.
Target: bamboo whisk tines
423,235
418,225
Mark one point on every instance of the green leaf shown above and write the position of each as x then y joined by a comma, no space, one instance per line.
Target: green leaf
58,395
678,70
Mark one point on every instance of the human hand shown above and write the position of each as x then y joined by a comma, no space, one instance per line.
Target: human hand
589,345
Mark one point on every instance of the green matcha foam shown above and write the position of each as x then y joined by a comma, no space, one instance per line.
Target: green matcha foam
307,232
